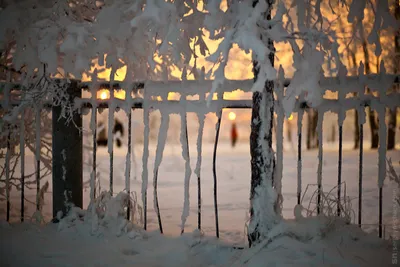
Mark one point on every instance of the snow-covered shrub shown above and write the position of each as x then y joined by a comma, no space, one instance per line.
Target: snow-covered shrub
106,214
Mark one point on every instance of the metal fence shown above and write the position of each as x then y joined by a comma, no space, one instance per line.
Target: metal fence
67,138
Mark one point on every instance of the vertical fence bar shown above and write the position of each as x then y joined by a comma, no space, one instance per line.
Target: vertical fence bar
382,160
128,163
198,167
339,182
320,158
360,173
8,156
110,141
93,126
22,151
94,155
162,136
299,143
145,171
215,174
37,156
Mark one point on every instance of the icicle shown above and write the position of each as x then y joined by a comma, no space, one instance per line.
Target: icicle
299,163
197,171
22,151
215,173
320,157
162,137
37,157
145,172
188,171
8,156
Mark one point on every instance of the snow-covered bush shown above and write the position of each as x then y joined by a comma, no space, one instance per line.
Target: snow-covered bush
106,214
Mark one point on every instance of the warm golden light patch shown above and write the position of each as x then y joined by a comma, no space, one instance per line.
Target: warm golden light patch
103,94
291,117
232,116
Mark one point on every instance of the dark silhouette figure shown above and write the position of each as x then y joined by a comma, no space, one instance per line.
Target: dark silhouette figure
102,136
118,127
234,134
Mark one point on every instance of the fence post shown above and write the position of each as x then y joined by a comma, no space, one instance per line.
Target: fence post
67,157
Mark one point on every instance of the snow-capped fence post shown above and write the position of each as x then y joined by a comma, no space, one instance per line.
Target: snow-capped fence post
67,138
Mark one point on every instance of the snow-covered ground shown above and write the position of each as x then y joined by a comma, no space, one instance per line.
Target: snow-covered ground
233,174
308,243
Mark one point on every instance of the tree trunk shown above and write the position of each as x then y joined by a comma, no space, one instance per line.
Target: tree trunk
312,138
392,129
393,113
262,198
372,118
356,123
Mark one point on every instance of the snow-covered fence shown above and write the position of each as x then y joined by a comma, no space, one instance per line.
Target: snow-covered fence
146,101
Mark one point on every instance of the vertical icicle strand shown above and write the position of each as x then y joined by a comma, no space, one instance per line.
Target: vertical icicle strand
162,137
188,171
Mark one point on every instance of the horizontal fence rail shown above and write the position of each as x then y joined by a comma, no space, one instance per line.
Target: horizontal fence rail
183,106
